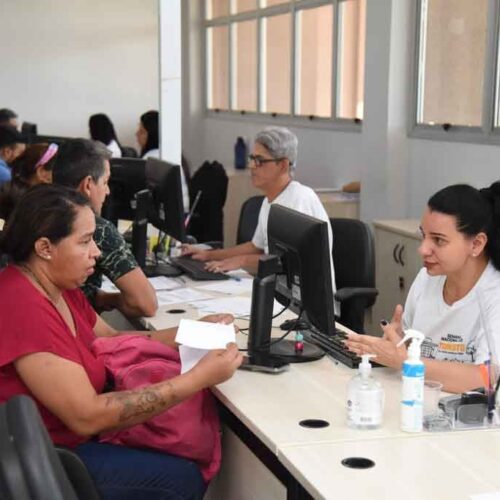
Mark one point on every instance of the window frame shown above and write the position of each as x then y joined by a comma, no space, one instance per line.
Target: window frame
290,7
487,132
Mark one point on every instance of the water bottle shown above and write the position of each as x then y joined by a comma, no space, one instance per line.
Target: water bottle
240,153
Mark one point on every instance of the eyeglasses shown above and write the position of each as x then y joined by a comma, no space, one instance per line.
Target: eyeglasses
258,161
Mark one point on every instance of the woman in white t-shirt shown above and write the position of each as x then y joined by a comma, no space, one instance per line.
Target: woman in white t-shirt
455,299
101,129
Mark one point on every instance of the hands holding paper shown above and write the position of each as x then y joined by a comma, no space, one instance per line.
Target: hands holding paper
218,365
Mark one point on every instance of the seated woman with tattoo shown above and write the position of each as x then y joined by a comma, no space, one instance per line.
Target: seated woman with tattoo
455,299
46,329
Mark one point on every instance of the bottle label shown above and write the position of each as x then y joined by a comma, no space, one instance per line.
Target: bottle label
365,408
413,370
412,403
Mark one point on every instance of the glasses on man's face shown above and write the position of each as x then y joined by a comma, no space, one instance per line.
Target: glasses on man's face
258,161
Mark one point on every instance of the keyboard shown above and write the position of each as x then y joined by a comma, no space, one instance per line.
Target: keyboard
334,347
195,269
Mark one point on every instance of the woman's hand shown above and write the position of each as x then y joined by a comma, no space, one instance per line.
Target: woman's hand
229,264
218,365
195,253
385,349
226,319
396,323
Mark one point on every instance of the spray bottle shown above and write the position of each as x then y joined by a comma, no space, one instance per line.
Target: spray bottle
365,398
413,384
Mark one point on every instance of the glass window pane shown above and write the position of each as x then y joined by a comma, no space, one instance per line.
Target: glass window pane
276,63
351,59
216,8
314,61
217,67
245,5
245,66
452,61
269,3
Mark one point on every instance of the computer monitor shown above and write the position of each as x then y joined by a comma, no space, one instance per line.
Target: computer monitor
29,130
161,205
127,178
163,179
56,139
297,272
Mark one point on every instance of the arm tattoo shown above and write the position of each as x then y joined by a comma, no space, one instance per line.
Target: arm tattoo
141,403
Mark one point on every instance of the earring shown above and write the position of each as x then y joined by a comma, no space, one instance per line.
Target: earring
47,257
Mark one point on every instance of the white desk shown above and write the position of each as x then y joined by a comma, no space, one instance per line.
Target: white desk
270,407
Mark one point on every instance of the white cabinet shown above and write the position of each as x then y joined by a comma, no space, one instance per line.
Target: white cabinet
397,262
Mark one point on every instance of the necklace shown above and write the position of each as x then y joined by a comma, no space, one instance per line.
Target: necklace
35,278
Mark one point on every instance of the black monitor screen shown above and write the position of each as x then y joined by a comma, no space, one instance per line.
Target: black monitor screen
163,179
127,178
305,284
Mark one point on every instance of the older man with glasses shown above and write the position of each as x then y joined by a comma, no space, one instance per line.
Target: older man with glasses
272,165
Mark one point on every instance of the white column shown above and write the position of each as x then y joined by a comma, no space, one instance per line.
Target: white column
170,81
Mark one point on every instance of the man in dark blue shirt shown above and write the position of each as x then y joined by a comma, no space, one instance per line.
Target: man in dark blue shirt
12,145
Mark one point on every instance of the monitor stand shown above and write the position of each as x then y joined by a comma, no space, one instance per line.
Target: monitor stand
285,349
162,270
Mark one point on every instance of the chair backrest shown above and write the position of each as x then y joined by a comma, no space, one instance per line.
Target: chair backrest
208,219
41,469
249,216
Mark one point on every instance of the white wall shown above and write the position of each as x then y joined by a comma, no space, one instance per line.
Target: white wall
65,60
398,173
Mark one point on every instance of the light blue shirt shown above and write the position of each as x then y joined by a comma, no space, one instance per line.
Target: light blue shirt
5,174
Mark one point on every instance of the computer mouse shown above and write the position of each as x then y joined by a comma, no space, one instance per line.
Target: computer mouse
295,324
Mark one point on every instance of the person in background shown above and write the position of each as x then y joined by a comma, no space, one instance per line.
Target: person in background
460,250
8,117
83,164
46,331
149,141
12,144
101,129
272,165
33,167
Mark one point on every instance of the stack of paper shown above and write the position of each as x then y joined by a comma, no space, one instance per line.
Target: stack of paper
166,297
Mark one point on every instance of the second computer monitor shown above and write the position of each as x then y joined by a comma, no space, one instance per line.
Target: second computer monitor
163,179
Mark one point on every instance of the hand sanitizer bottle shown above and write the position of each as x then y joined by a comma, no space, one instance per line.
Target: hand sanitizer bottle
365,398
413,384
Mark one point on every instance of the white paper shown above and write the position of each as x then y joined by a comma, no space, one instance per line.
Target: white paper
204,335
237,306
230,287
197,338
164,283
166,297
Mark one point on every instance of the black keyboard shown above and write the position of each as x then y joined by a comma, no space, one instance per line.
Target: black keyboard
334,347
195,269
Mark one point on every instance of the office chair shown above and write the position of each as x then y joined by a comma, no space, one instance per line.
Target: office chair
208,219
354,262
129,152
30,466
249,216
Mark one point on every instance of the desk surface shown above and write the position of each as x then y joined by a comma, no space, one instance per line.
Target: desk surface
272,406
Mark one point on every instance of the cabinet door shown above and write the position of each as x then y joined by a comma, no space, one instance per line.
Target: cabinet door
397,262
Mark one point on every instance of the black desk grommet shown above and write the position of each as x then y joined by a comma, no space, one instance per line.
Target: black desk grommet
358,463
314,423
175,311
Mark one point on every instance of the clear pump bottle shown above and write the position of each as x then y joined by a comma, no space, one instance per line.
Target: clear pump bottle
365,398
413,384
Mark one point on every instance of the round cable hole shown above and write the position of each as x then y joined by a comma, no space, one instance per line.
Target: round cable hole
175,311
314,423
358,463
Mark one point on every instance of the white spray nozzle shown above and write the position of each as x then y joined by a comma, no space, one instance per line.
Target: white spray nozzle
416,341
365,367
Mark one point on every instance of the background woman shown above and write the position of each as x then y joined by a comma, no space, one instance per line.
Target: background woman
460,250
46,329
102,129
33,167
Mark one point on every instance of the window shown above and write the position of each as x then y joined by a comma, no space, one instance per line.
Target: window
300,58
456,78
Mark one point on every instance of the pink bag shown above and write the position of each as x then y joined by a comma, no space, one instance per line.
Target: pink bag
190,429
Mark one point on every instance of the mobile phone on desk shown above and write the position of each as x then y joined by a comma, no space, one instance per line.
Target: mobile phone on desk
264,363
